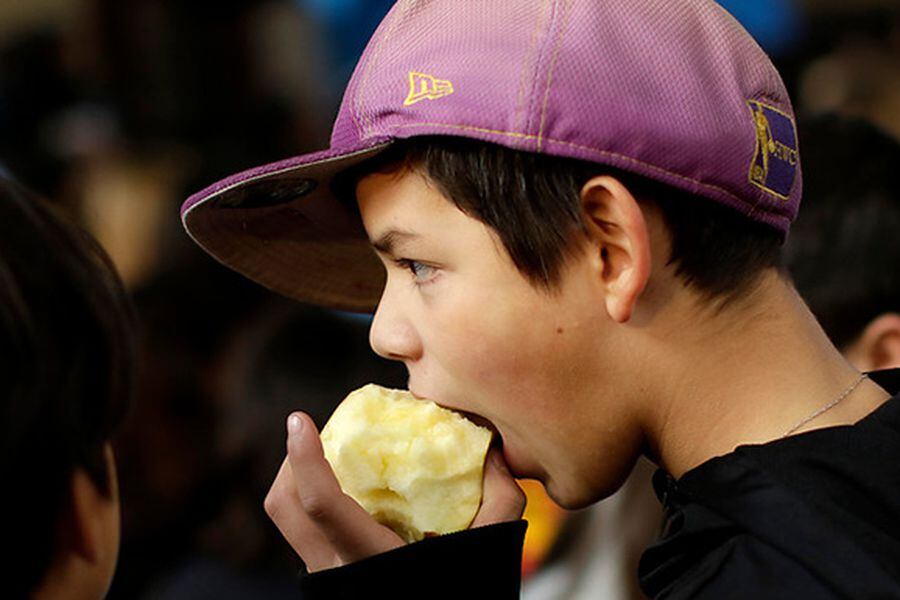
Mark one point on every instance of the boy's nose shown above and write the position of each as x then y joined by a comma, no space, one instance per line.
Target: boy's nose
392,336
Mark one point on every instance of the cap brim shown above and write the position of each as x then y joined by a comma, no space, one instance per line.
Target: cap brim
282,226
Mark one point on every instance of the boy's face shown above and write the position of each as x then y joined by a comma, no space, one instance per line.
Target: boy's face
477,337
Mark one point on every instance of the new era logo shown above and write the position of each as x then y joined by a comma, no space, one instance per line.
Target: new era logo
426,87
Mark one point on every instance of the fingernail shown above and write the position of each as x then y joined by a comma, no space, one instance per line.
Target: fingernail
295,424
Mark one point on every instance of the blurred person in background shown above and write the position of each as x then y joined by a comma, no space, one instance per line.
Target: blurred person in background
66,344
844,250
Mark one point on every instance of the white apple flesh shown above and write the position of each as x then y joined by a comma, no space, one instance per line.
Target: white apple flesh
414,466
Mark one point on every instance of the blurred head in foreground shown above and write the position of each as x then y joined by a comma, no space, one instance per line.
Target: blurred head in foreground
66,343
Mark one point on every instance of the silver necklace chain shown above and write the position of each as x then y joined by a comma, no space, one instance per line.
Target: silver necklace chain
825,408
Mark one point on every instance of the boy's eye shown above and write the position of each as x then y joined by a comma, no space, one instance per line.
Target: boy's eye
420,272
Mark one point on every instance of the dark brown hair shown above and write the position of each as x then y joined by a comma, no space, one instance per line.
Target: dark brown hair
533,203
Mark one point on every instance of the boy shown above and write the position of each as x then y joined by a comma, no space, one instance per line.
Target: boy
578,207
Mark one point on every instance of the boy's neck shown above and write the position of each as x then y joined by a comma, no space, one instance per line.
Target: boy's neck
748,376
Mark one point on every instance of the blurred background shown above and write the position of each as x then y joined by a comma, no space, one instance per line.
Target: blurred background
117,110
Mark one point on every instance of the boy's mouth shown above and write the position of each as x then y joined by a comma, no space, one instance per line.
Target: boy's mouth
475,418
496,439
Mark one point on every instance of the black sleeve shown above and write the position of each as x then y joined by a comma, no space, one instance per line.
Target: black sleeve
485,562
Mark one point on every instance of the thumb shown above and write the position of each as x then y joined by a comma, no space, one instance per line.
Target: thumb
503,499
352,532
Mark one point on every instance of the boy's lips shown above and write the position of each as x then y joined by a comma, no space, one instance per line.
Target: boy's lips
480,421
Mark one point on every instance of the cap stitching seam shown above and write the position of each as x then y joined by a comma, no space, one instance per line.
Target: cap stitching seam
531,52
363,130
534,98
592,149
562,29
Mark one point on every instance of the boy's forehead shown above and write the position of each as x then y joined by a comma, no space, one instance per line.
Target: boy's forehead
405,209
399,199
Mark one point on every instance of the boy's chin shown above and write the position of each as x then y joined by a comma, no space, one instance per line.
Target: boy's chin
574,496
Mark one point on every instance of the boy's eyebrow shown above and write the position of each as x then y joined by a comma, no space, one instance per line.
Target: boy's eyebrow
388,241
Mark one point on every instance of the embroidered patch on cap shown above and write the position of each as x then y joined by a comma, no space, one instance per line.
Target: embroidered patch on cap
426,87
775,161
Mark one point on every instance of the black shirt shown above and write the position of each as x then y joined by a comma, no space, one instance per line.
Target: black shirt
815,515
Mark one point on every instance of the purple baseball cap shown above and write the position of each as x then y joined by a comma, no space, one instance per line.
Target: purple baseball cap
677,92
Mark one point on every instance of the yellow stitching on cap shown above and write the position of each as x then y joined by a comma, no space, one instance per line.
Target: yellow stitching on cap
531,47
525,136
562,29
468,128
426,87
364,130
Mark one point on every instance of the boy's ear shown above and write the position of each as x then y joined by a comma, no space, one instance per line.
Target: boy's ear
619,241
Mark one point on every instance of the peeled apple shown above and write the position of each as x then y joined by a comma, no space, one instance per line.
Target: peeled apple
414,466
